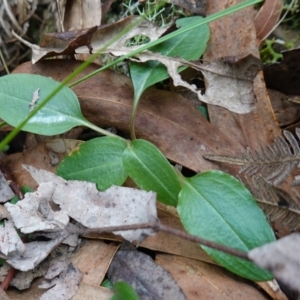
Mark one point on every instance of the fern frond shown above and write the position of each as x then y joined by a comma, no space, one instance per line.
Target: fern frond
277,204
274,163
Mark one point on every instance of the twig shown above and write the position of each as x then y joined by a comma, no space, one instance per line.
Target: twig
158,226
13,185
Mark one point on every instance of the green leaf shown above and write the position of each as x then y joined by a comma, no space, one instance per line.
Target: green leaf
107,284
59,115
123,291
98,160
151,171
216,206
182,45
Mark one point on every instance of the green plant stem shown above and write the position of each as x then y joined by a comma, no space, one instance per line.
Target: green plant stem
100,130
85,64
208,19
76,72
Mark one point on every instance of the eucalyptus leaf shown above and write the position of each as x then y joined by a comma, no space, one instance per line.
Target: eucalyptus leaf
20,93
151,171
216,206
182,45
98,160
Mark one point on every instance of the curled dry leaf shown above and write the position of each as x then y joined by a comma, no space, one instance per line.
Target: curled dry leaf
149,280
281,258
94,39
83,202
34,212
229,84
64,277
267,18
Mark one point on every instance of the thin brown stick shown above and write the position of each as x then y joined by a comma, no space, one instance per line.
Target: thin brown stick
13,185
8,278
184,235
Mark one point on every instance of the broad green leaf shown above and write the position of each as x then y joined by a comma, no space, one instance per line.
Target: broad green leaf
98,160
17,93
189,45
123,291
217,207
151,171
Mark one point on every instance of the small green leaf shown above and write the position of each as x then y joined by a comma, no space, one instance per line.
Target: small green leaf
107,284
19,93
123,291
183,45
151,171
216,206
98,160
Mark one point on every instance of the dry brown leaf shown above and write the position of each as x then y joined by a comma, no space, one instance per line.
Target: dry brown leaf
287,113
228,85
267,18
163,242
94,39
46,155
93,260
234,35
281,258
81,14
3,295
149,280
163,117
205,281
88,292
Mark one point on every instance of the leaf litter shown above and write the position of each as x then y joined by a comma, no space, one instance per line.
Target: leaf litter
149,280
281,258
5,191
235,80
39,214
64,277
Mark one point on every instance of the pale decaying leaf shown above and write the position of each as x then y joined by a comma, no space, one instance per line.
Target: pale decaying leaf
114,207
64,278
5,191
34,212
80,200
92,40
229,85
281,258
35,252
10,242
